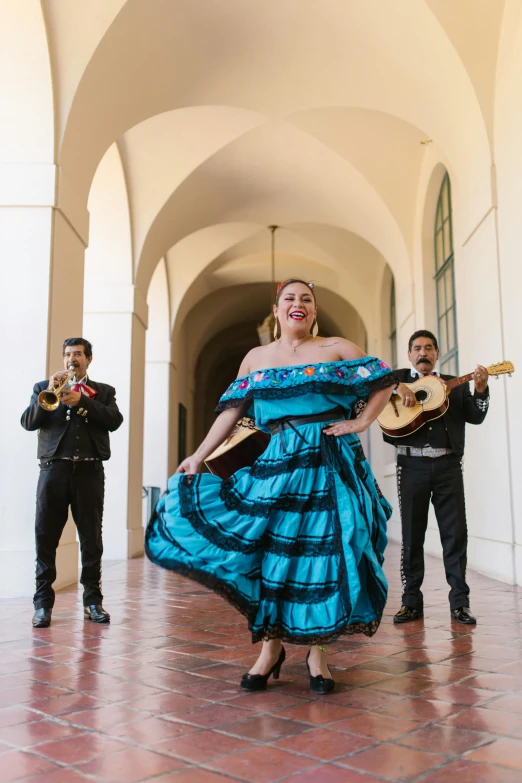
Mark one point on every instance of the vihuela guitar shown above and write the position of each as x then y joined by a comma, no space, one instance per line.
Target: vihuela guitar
240,450
432,394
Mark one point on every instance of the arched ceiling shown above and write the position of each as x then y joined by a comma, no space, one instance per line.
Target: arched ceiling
248,303
335,259
473,27
275,174
230,117
148,58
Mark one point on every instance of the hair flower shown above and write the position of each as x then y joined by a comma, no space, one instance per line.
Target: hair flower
309,370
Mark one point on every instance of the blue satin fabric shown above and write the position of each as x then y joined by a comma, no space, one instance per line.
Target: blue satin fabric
296,542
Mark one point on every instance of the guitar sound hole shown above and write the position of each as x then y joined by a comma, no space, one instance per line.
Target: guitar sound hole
421,395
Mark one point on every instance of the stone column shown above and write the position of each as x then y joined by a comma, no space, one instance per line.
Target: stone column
41,279
159,372
115,321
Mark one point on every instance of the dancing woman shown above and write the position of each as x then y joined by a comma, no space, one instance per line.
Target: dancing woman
295,542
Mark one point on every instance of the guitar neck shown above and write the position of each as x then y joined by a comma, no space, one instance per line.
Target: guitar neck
458,381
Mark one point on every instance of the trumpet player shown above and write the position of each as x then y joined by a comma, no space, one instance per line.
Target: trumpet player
73,415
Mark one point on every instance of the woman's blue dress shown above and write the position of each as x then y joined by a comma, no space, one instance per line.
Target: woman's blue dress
296,541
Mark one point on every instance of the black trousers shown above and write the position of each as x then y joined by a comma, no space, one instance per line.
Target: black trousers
80,485
419,481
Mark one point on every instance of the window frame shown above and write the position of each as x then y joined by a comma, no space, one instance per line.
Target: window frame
444,272
182,432
393,325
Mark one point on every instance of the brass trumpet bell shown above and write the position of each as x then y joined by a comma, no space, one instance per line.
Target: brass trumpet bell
49,399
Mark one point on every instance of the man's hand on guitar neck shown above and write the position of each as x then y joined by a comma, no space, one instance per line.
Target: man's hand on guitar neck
407,396
480,379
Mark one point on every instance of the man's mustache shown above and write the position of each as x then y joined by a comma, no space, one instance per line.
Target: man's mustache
423,361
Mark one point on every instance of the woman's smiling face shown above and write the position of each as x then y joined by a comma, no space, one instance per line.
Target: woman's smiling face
296,309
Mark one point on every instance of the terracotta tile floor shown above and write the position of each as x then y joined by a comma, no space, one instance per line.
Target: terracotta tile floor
155,696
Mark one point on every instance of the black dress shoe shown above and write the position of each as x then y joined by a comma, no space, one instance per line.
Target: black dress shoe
407,615
463,615
96,613
42,618
257,682
319,684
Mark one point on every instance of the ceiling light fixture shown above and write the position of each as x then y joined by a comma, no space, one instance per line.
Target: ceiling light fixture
265,330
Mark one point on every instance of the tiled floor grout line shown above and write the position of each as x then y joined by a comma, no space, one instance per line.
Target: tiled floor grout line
378,680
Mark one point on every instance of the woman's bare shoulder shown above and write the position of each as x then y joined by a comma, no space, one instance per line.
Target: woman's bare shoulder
253,360
345,349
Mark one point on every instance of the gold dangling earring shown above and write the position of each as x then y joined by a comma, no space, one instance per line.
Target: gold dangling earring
275,329
315,329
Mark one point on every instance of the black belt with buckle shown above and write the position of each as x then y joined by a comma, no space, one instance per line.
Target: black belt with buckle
292,422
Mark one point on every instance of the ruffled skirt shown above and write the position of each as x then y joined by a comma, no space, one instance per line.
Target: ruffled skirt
295,543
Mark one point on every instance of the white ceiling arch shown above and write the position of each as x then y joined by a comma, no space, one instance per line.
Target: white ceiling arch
250,271
242,303
221,255
162,151
166,54
275,174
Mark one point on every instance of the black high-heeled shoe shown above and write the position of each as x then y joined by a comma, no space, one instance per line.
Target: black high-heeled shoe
257,682
319,684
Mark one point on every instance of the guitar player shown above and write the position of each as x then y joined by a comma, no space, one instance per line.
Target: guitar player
429,468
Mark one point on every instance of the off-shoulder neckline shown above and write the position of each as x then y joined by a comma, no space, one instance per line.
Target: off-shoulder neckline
306,364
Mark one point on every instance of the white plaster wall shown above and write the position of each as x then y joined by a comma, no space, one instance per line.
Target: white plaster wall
487,474
508,153
480,332
157,382
26,242
24,315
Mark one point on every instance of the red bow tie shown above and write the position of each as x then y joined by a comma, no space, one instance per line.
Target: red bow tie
81,387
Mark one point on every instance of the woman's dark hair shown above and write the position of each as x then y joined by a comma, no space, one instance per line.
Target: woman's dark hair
423,333
285,283
87,347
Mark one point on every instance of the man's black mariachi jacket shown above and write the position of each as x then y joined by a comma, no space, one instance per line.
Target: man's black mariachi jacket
464,408
99,414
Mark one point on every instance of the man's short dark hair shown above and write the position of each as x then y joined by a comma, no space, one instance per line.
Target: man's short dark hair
87,347
423,333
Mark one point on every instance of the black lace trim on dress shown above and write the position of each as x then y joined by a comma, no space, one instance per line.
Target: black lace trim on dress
215,533
290,503
249,611
376,592
359,388
330,448
298,593
347,629
300,546
379,594
308,458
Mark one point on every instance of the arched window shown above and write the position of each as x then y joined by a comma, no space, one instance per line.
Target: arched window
445,282
393,326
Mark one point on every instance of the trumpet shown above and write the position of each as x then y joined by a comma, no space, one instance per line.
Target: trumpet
49,399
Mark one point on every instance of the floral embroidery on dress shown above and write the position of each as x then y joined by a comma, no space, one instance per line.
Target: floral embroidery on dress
357,376
349,372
